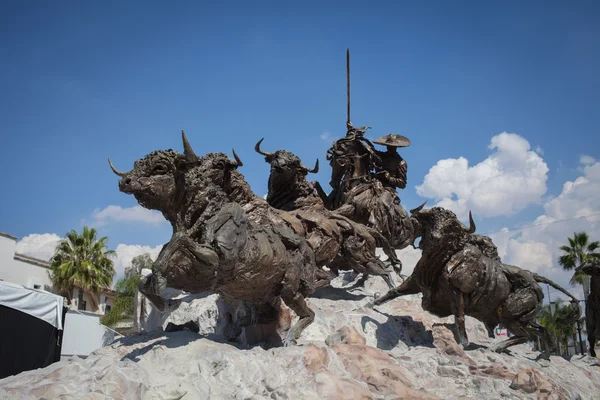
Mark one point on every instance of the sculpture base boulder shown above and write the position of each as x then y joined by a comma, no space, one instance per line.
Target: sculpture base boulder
349,352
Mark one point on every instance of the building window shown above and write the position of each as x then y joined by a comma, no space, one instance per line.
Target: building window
107,309
37,286
82,305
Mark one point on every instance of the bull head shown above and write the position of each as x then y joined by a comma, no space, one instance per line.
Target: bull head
279,159
153,179
437,225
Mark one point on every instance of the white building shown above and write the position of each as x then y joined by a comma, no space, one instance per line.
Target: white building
83,331
36,274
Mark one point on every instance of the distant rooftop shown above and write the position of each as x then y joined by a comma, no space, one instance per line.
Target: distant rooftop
32,260
6,235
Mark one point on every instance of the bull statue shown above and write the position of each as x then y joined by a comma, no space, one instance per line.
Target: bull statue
215,246
338,242
460,273
592,307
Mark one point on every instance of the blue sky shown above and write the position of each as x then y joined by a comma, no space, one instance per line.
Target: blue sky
87,80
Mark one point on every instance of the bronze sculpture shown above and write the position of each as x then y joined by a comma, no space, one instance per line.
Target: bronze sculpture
592,306
364,182
338,242
259,252
460,274
393,166
215,245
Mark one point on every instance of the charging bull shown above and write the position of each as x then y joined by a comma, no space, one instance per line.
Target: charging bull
215,246
338,242
460,274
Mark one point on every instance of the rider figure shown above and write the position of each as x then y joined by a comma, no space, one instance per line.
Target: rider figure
393,168
345,147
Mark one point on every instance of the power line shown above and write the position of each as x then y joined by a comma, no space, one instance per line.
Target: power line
541,224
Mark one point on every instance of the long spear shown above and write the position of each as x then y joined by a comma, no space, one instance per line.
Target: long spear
348,123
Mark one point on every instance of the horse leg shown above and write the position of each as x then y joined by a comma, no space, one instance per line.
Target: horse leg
360,282
409,286
298,304
377,268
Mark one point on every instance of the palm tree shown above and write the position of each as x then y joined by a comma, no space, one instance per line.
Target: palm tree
560,324
579,250
82,261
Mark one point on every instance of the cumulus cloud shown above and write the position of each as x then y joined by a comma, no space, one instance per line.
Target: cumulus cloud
38,245
132,214
537,248
507,181
126,253
587,160
42,246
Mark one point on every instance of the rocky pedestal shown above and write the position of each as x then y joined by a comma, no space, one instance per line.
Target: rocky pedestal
394,352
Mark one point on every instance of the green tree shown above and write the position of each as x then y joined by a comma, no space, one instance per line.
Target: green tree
126,289
560,323
82,260
579,250
138,263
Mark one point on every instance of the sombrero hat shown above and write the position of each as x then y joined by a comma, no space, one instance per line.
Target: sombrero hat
393,140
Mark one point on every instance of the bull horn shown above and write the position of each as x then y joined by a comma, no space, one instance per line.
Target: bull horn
416,210
471,224
259,151
314,170
237,159
116,171
190,156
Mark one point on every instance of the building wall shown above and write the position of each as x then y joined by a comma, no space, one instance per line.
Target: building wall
7,248
14,269
103,299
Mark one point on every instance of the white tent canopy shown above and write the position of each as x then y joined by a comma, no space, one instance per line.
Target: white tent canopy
37,303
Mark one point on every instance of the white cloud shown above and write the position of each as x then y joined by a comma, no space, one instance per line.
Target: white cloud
132,214
40,246
587,160
326,136
126,253
537,248
539,150
506,182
